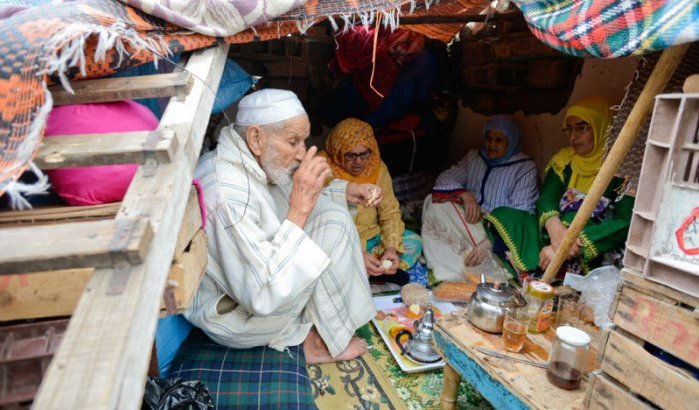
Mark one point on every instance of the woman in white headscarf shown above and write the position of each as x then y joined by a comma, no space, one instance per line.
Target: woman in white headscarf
497,175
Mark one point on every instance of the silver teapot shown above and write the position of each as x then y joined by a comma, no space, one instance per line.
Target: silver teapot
489,303
419,346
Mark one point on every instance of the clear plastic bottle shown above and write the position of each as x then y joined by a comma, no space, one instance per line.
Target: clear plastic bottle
568,357
539,306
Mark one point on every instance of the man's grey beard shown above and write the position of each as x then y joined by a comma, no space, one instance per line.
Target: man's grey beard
277,175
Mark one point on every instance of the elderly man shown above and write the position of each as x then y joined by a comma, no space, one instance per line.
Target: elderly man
285,265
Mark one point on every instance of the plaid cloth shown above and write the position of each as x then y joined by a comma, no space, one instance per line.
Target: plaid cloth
258,378
611,28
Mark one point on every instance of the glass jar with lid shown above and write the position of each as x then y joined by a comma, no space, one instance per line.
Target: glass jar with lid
539,298
568,358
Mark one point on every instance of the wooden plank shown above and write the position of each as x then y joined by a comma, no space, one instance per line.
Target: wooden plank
653,288
605,394
74,245
672,328
65,151
123,88
187,272
191,223
50,215
56,293
504,383
629,363
41,294
104,356
499,396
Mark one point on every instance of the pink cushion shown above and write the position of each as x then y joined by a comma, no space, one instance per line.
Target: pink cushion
99,184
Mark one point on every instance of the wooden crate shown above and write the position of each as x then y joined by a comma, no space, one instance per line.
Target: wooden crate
56,292
105,352
630,377
663,241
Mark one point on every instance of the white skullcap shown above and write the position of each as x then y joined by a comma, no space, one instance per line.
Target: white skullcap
268,106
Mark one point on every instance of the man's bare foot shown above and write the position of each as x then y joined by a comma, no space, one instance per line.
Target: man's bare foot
316,352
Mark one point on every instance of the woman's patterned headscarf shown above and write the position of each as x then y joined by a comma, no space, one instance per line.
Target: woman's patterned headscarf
346,135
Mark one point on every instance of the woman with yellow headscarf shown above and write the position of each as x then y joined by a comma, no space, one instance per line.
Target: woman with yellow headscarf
353,154
569,175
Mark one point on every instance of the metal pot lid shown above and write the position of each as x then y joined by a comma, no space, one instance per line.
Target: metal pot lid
497,294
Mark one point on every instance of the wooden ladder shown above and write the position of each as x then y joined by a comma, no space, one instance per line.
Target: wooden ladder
103,359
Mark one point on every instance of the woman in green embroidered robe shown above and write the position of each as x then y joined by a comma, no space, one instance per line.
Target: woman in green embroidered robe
531,239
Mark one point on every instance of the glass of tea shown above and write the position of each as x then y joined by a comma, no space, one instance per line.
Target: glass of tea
514,330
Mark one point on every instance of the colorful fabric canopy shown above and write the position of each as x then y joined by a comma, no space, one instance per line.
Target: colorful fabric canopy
44,44
610,28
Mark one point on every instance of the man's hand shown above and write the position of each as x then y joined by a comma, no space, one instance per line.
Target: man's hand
373,265
472,211
309,179
391,255
367,195
477,255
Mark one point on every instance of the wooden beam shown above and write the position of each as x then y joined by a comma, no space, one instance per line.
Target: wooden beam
123,88
187,272
67,151
41,294
191,223
657,81
104,356
50,215
74,245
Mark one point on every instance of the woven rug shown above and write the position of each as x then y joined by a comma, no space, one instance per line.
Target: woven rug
375,381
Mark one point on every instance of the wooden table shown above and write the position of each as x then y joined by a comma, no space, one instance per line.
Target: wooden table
505,384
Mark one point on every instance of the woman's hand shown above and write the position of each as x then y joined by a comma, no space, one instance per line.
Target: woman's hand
308,182
391,254
557,231
367,195
546,256
478,254
472,210
373,265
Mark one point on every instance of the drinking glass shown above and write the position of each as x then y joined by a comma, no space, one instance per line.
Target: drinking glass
514,330
569,306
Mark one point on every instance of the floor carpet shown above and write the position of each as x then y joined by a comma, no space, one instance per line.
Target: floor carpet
374,381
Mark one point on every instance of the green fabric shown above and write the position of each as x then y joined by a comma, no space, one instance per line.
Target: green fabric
525,235
549,196
518,229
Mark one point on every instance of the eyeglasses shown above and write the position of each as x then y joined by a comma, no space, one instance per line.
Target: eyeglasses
578,128
352,156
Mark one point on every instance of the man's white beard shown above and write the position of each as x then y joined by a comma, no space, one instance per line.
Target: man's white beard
276,174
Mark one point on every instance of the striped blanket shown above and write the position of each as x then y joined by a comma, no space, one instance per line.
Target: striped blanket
610,28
